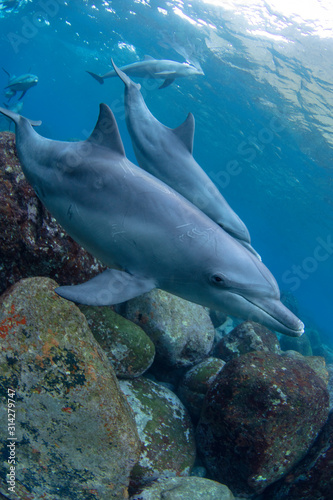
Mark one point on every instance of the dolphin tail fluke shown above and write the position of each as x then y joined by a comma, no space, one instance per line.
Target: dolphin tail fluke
166,83
100,79
110,287
125,78
17,118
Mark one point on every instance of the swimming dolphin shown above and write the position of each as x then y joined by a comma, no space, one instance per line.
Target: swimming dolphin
167,154
20,84
154,68
147,233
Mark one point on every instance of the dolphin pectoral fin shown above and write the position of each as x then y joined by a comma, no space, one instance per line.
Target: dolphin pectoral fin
166,83
6,72
98,78
22,95
108,288
185,132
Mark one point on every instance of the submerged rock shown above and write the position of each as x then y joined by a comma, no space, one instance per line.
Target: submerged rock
246,337
300,344
185,488
129,349
260,417
32,243
182,332
195,384
312,478
76,434
317,363
165,430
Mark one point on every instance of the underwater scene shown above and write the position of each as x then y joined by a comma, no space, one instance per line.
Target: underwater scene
166,249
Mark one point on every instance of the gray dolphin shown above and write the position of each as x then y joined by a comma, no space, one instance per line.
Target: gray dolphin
167,154
154,68
141,228
20,84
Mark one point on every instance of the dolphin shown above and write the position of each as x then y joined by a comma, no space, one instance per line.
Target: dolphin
20,84
167,154
145,232
16,108
154,68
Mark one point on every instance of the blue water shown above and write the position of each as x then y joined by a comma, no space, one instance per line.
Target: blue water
265,104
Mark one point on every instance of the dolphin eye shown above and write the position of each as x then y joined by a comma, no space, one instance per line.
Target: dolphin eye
218,279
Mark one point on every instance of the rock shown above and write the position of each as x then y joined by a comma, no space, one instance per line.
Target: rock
185,488
129,349
260,417
217,318
76,434
246,337
299,344
182,332
31,242
193,388
165,431
312,478
317,363
330,384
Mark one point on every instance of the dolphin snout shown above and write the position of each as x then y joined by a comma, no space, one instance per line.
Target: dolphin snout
281,318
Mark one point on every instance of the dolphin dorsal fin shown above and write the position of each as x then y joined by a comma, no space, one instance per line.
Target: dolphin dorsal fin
149,58
185,132
106,131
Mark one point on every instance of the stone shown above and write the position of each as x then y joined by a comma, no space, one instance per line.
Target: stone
194,385
330,384
165,430
129,349
32,243
312,478
300,344
185,488
246,337
76,434
182,332
260,417
317,363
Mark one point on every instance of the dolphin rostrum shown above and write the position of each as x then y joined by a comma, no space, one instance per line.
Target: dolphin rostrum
167,154
147,233
19,84
154,68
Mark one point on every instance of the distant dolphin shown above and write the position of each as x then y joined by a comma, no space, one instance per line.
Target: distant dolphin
167,154
144,230
154,68
20,84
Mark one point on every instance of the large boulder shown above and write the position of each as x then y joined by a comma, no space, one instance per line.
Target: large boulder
182,332
312,478
32,243
165,430
260,417
76,436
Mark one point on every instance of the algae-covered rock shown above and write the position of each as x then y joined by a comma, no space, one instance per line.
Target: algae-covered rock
194,385
76,435
317,363
185,488
129,349
165,430
260,417
246,337
311,478
182,332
